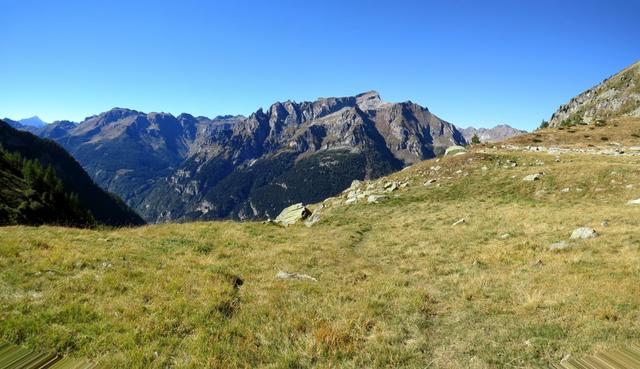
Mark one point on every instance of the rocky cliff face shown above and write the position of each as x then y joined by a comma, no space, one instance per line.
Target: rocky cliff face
298,152
617,96
183,168
497,133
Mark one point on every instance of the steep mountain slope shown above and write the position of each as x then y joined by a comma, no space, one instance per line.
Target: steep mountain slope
104,207
497,133
31,194
617,96
297,152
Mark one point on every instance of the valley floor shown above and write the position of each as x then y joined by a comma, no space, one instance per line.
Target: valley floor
398,285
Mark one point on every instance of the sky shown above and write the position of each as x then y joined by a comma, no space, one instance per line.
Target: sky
472,62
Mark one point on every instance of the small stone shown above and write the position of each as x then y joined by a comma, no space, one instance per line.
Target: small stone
633,202
533,177
505,236
583,233
430,182
562,245
461,221
537,263
374,199
350,201
294,276
605,222
391,186
313,218
565,190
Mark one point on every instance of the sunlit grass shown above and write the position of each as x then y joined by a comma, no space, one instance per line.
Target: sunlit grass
398,285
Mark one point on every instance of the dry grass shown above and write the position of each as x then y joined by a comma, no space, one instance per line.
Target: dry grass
398,285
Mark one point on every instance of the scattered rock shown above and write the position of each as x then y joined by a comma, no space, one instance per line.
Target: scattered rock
461,221
633,202
294,276
430,182
314,217
374,199
505,236
391,186
292,214
566,189
537,263
533,177
583,233
562,245
453,150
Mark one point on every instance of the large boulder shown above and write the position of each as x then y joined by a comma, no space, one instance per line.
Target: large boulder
453,150
293,214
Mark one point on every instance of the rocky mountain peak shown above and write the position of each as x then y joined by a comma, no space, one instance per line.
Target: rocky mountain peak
369,101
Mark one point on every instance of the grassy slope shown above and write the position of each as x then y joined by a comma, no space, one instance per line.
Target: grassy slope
398,286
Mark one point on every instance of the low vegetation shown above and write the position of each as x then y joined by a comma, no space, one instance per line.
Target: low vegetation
398,285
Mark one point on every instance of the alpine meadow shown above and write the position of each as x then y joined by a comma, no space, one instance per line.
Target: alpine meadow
356,230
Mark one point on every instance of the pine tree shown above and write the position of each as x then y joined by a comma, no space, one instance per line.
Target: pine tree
475,139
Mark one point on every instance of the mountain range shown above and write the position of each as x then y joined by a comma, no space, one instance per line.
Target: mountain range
177,168
180,168
497,133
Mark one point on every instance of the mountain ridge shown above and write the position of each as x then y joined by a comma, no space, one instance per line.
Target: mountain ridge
616,96
493,134
179,159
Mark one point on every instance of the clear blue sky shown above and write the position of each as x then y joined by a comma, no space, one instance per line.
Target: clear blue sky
470,62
